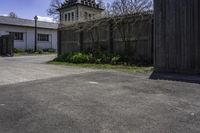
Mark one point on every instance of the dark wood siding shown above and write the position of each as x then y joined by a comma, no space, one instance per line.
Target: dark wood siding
108,37
177,36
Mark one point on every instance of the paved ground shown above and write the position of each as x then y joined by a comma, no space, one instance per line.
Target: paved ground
99,102
28,68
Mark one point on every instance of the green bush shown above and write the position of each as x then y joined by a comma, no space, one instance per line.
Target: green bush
51,50
16,50
30,51
45,50
40,51
115,60
79,58
98,58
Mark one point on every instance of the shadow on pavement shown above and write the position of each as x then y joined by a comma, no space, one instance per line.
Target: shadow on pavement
189,78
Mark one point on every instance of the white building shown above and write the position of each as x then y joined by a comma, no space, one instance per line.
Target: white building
23,31
79,11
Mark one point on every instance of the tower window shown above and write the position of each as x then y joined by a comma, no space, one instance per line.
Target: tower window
72,16
65,17
69,16
90,16
86,15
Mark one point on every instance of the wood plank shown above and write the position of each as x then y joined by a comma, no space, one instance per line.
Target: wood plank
177,36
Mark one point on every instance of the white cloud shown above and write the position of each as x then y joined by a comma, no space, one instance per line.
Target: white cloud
4,15
46,19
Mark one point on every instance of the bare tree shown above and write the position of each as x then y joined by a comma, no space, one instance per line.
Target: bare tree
92,29
53,9
124,7
13,15
126,14
107,10
101,4
123,16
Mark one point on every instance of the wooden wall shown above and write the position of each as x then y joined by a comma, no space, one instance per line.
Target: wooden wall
140,37
177,36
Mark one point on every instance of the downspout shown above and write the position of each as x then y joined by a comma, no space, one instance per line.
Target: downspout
36,18
51,41
26,40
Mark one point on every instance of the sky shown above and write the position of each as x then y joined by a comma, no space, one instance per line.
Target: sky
27,8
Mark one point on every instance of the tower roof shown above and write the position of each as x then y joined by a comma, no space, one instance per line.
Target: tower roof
89,3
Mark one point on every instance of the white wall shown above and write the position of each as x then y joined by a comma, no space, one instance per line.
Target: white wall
29,37
81,13
66,11
82,9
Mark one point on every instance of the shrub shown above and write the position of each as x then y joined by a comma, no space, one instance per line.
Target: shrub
40,51
30,51
16,50
98,58
51,50
115,60
79,58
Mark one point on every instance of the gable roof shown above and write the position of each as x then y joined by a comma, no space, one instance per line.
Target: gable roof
27,23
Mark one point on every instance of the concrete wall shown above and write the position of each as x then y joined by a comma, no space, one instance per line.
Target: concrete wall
69,10
177,36
96,12
79,13
28,41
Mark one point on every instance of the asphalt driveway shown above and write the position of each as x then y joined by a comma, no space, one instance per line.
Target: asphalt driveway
91,101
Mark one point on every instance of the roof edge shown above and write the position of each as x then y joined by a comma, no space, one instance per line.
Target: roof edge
79,4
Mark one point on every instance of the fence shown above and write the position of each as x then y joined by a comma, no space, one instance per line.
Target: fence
133,34
177,36
6,45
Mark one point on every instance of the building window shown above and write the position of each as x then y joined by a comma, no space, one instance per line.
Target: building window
17,35
65,17
62,16
86,15
72,16
90,16
69,16
43,37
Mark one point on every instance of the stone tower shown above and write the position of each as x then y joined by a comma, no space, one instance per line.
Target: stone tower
79,11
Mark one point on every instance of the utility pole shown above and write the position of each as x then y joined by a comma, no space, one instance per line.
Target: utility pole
36,19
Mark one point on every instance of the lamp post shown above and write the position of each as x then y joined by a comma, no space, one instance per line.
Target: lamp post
36,19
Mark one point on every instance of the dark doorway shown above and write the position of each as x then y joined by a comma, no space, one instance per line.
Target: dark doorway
6,45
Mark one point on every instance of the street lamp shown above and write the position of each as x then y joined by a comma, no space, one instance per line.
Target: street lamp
36,19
